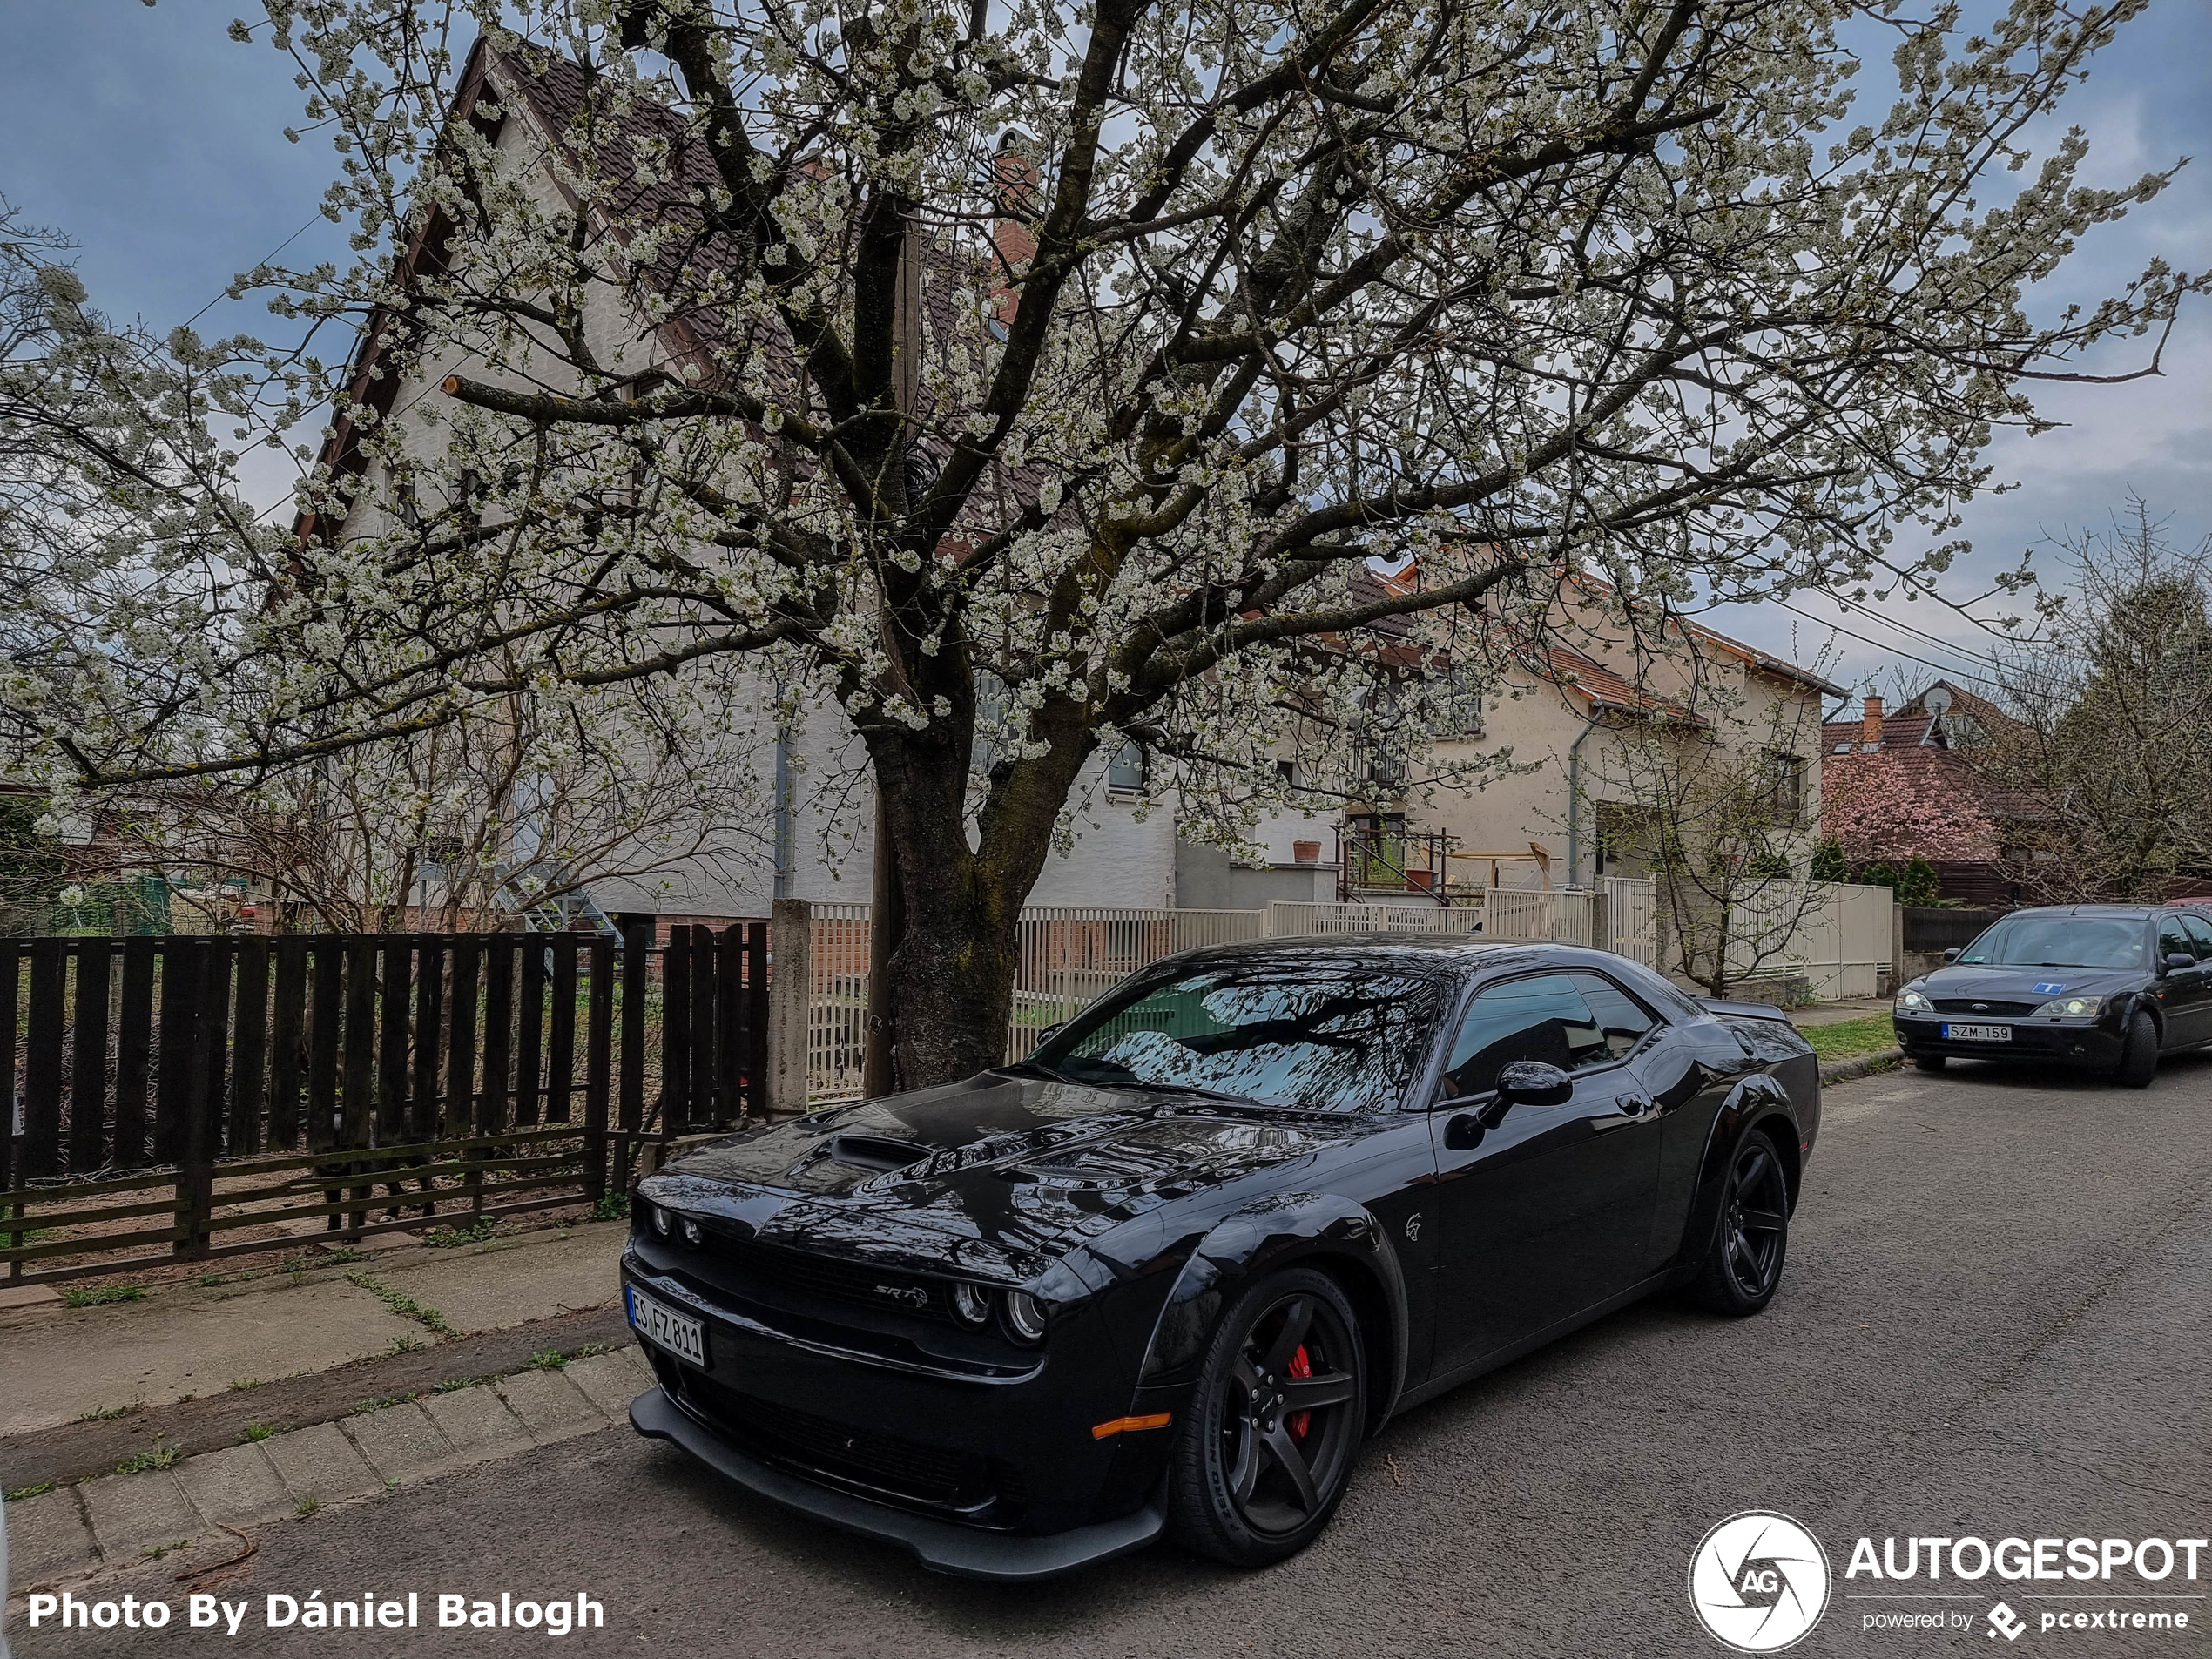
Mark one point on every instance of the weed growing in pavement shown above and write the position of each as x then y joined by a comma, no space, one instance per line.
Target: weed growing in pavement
591,1349
377,1403
209,1281
102,1295
401,1304
344,1255
452,1385
101,1414
612,1206
239,1385
164,1454
548,1359
308,1505
479,1232
408,1342
17,1494
261,1431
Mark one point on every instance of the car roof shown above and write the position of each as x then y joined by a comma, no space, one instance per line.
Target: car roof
2123,912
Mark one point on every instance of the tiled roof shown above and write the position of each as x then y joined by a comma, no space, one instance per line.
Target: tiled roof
1603,689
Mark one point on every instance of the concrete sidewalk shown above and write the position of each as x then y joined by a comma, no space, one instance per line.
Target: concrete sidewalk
58,1364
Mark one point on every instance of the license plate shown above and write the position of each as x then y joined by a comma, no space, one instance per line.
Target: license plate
1976,1034
663,1326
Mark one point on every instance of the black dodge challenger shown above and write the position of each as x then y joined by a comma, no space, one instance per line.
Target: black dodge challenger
1168,1273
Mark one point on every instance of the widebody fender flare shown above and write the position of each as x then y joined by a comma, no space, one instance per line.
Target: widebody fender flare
1756,1100
1270,1234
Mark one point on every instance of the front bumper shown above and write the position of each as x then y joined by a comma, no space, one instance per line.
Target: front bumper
941,1545
2070,1043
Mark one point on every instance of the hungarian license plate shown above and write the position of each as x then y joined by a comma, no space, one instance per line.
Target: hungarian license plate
664,1327
1976,1034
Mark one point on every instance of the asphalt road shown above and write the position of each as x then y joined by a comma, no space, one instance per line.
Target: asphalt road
1996,1319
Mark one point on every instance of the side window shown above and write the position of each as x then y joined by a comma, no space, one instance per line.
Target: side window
2200,933
2172,940
1620,1021
1544,1018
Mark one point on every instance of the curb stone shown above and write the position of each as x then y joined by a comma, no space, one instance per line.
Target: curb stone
109,1523
1843,1071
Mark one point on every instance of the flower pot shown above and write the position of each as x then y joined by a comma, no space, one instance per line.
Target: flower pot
1306,851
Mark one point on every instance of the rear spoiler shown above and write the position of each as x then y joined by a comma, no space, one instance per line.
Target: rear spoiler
1744,1011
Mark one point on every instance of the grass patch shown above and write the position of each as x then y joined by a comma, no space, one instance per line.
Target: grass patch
447,1237
589,1350
408,1342
164,1454
239,1385
377,1403
401,1304
1848,1039
308,1505
453,1385
101,1296
612,1206
102,1413
548,1359
17,1494
262,1432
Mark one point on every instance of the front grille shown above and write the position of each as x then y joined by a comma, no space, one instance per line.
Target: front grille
744,1262
926,1475
1985,1005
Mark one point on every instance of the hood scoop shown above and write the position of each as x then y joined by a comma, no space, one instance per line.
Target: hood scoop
874,1153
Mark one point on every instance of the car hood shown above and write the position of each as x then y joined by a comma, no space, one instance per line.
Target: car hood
1006,1171
1957,980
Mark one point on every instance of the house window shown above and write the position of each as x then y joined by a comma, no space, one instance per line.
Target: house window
1127,770
1786,788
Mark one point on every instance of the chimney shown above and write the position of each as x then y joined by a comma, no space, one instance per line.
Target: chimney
1870,731
1015,199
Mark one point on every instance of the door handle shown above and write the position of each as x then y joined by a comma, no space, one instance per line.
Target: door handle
1631,1105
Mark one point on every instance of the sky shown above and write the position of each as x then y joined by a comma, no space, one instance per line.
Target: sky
158,144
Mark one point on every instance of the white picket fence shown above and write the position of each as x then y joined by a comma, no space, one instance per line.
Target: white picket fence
1834,935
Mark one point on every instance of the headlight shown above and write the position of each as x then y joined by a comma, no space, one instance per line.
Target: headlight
1911,1002
1024,1316
971,1303
691,1231
660,1219
2069,1008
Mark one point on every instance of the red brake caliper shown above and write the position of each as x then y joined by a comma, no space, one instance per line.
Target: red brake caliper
1300,1366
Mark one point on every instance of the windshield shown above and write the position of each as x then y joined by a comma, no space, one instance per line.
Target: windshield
1328,1036
2060,941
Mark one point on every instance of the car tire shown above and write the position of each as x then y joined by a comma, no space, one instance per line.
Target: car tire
1930,1061
1742,1264
1233,1492
2139,1058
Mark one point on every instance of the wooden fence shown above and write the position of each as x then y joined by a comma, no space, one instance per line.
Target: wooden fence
210,1096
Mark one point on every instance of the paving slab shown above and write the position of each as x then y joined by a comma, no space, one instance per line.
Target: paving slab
238,1486
28,1296
534,1278
48,1539
401,1442
319,1463
69,1361
611,1381
477,1424
551,1406
133,1514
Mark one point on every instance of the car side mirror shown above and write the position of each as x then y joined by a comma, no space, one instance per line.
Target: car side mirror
1951,955
1051,1032
1535,1083
2177,961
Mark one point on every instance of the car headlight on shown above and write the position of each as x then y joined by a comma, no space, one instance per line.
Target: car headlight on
1024,1316
1911,1001
2069,1008
971,1303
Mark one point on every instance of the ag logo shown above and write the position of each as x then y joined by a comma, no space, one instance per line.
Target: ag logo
1759,1581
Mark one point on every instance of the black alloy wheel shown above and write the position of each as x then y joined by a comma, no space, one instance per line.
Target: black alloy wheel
1744,1265
1266,1451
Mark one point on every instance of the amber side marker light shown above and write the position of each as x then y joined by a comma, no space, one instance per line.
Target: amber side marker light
1157,1420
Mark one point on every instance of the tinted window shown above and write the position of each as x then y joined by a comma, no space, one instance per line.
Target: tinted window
1619,1019
2171,940
2200,935
2060,941
1547,1017
1330,1035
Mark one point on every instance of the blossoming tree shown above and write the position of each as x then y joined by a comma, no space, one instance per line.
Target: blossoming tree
712,344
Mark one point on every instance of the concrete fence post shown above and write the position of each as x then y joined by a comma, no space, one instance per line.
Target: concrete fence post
791,983
1601,920
1896,946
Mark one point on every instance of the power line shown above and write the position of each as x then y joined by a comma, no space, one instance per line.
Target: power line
263,260
1882,645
